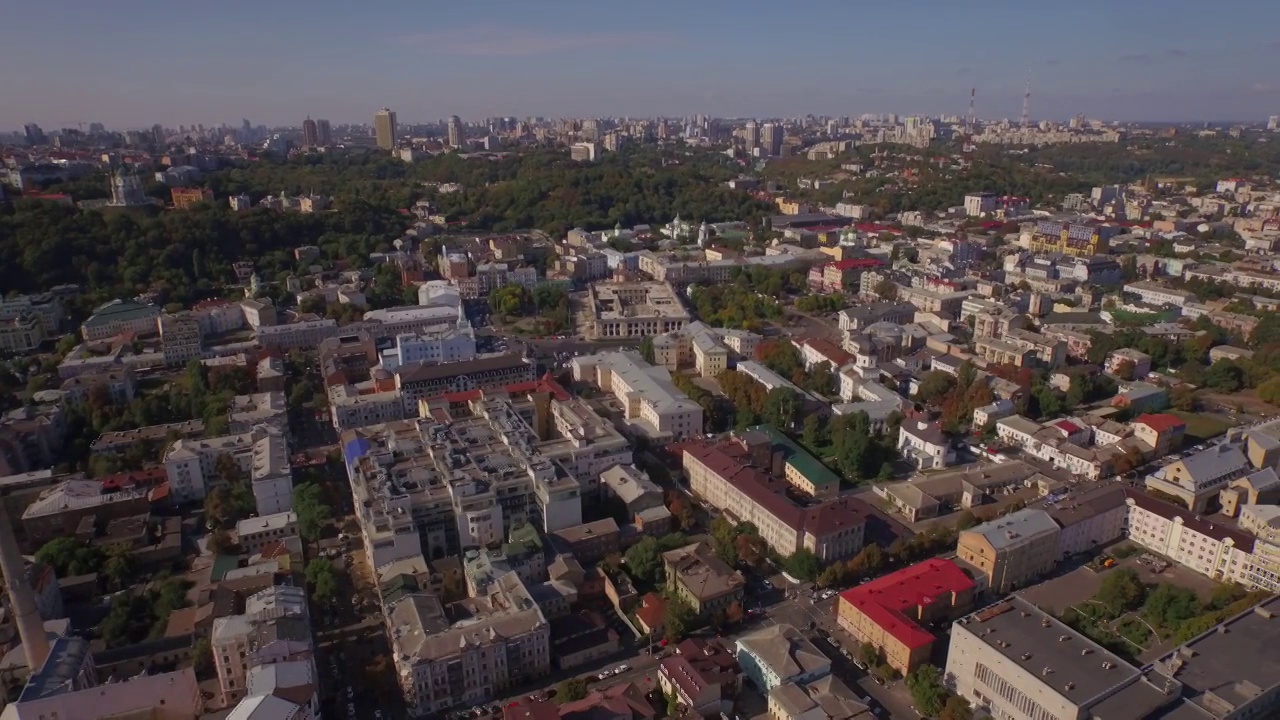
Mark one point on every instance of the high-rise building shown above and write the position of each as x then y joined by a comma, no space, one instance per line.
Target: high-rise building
384,128
323,132
158,135
753,134
35,136
1273,122
456,134
310,134
771,138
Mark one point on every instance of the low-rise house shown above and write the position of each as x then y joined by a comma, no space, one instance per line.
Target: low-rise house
925,445
780,654
703,675
701,579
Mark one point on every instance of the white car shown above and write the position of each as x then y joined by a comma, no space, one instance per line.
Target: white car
621,669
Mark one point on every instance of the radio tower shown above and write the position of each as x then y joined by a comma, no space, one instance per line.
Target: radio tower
967,150
1026,104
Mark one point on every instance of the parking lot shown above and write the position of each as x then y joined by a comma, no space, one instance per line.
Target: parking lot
1081,584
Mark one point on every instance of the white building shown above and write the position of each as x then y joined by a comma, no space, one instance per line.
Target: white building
924,445
261,457
650,400
434,344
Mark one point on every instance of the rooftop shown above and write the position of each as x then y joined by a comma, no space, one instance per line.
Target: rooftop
891,600
785,650
1077,668
1015,528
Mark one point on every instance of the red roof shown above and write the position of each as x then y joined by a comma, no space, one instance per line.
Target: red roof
1067,427
891,601
829,350
150,477
526,709
1161,422
546,383
652,610
877,228
857,263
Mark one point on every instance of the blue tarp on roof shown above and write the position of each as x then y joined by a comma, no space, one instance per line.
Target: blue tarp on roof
354,449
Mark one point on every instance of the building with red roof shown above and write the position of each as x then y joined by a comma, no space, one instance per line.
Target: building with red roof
1162,431
833,277
892,612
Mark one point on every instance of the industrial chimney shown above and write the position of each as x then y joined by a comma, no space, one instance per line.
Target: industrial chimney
35,643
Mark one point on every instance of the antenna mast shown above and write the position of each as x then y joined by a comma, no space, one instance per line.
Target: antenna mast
1026,104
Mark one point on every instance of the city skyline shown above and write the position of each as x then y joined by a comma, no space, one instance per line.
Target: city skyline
137,62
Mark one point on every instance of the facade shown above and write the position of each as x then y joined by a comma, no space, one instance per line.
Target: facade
780,654
1077,239
505,643
20,335
635,309
696,575
274,628
384,129
703,674
650,401
707,349
260,456
890,612
120,316
745,477
435,344
924,445
1197,479
185,198
180,338
1221,553
1012,660
420,381
253,534
1012,550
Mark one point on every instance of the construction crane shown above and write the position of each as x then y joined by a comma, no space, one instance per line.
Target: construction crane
966,157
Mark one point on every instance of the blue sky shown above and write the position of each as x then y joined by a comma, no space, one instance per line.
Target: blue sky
130,63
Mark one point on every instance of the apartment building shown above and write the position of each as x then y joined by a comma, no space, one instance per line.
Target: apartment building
58,510
1011,551
119,385
45,307
305,334
247,412
357,405
20,335
503,641
650,401
1197,479
696,575
261,456
745,477
834,277
1156,294
448,482
1222,553
891,611
253,534
444,343
706,348
274,628
634,309
703,674
1012,660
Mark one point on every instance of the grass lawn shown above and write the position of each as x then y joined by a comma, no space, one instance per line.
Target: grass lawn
1201,427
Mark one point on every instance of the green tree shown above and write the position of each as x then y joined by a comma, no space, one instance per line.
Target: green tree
781,406
869,654
1169,606
803,564
643,560
311,509
571,690
927,691
868,561
724,540
934,386
814,434
956,708
677,619
68,556
646,350
1225,376
323,580
1121,591
887,290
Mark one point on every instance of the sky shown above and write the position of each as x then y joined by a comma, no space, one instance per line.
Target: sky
132,63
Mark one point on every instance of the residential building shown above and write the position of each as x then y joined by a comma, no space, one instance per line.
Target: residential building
702,674
1090,521
1157,294
1013,660
48,308
119,316
744,476
826,698
502,641
780,654
274,628
634,309
247,412
1077,239
650,401
419,381
1128,364
58,510
1161,431
891,612
20,335
1012,550
119,385
924,445
261,456
434,344
707,349
1222,553
384,128
701,579
305,334
185,198
590,542
253,534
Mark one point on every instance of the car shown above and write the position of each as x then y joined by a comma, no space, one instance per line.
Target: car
879,680
765,582
621,669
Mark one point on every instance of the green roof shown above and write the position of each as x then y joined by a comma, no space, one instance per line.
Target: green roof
523,539
120,311
797,457
223,564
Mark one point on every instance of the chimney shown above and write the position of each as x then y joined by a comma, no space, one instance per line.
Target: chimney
35,644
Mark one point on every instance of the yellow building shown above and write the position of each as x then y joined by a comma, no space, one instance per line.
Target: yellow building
1071,238
1013,550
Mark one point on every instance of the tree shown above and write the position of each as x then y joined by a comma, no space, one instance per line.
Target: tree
869,654
221,543
1269,391
202,658
750,549
734,613
68,556
814,434
643,560
965,519
119,566
956,708
323,580
680,509
1125,369
571,690
724,540
1225,376
312,511
646,350
925,684
1168,606
1121,591
934,386
781,406
803,564
677,619
887,290
868,561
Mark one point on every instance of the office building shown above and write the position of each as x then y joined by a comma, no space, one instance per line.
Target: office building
891,612
1009,552
384,128
1014,661
456,133
310,134
119,316
651,402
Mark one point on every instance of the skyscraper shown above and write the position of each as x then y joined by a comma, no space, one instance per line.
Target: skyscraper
310,134
384,128
323,133
771,138
753,134
455,131
158,135
35,136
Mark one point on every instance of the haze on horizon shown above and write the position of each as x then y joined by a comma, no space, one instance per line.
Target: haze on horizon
132,63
